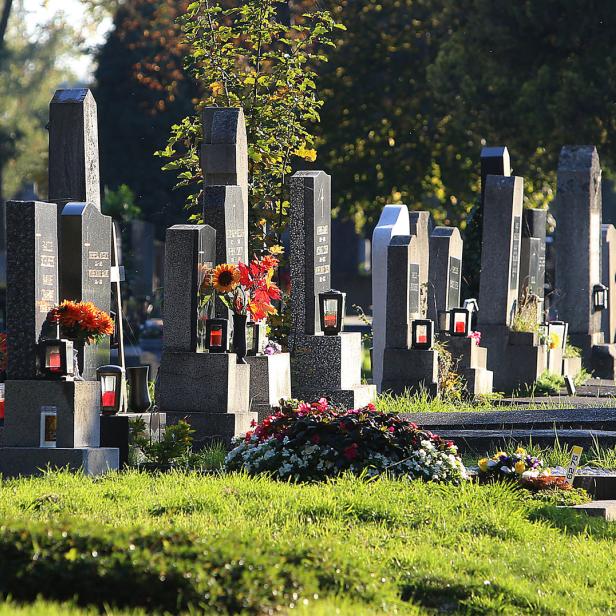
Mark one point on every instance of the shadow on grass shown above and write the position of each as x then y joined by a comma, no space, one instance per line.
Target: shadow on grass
574,523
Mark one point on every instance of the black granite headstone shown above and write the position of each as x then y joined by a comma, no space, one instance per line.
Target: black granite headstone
223,210
190,250
85,270
494,161
310,255
32,280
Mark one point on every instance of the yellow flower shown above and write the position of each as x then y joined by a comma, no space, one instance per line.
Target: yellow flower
520,467
226,277
276,250
554,340
521,451
483,464
498,454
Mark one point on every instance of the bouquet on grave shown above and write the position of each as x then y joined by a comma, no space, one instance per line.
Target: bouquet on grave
519,466
81,322
244,289
311,442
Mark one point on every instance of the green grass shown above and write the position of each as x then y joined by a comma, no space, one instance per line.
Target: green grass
423,403
228,542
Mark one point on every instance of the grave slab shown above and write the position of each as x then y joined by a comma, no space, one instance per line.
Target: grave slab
270,379
413,370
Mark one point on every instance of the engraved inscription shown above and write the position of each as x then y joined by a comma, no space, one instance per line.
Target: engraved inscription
515,253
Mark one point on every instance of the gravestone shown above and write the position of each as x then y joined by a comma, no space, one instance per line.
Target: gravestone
532,257
224,152
190,251
310,255
405,368
73,148
223,210
419,223
515,358
85,270
494,161
321,365
142,259
578,254
608,278
32,276
394,221
445,271
32,292
209,390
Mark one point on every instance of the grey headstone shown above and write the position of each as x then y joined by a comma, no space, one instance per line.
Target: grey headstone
420,228
500,249
189,250
577,209
494,161
32,274
223,210
608,272
445,270
402,290
73,148
224,152
534,223
310,252
85,270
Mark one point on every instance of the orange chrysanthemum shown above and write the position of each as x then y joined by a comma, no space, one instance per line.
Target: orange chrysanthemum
226,277
82,321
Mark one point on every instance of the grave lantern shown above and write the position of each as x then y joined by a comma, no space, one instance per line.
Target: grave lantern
560,329
600,297
255,337
460,322
111,379
217,335
56,357
331,308
444,320
422,334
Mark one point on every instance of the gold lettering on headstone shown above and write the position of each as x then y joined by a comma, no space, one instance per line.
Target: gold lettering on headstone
48,279
47,245
322,229
48,260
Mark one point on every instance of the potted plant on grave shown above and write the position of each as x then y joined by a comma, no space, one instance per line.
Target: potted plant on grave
247,291
81,322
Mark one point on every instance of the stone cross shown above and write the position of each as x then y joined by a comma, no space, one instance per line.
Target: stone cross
223,210
394,221
419,223
500,249
402,290
73,148
224,157
445,271
494,161
608,273
32,281
532,254
310,256
577,242
85,270
190,250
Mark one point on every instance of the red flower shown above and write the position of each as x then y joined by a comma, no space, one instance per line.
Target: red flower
316,439
350,452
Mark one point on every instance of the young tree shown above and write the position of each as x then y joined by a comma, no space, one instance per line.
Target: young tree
248,55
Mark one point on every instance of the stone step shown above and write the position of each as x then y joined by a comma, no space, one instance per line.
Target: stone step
482,442
605,509
602,419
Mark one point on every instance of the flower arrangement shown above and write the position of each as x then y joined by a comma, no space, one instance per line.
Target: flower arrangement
82,322
518,465
476,336
310,442
245,289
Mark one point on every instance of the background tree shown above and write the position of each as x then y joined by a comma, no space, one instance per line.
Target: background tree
247,55
141,90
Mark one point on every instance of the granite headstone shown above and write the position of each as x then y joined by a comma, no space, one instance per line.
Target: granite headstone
419,223
608,273
445,270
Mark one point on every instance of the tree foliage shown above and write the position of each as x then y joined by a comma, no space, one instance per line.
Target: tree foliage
247,55
141,90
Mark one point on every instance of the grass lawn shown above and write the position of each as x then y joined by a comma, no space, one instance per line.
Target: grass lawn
229,543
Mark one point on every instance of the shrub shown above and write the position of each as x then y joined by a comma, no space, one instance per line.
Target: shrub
308,442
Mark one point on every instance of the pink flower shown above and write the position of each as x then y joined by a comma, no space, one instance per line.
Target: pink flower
391,429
